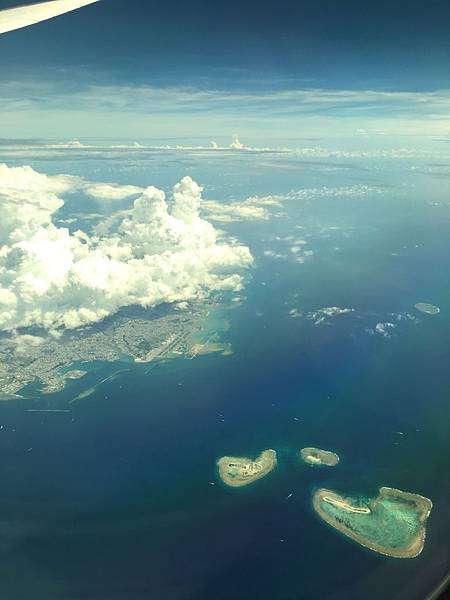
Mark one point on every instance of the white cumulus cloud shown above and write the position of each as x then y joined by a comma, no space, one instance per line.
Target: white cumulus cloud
111,191
161,251
251,209
385,329
323,315
236,211
236,144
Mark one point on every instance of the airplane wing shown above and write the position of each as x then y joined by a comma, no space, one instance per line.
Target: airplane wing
23,16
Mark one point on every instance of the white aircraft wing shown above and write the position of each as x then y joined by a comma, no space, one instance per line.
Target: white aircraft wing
23,16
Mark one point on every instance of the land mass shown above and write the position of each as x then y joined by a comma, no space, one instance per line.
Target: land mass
131,336
393,523
240,471
318,457
428,309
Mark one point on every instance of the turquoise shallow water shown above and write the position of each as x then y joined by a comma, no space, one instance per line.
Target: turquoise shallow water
391,525
114,500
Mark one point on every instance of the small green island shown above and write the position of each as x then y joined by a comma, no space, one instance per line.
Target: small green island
240,471
316,457
392,524
428,309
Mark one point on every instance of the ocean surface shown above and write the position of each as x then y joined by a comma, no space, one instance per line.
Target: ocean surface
119,499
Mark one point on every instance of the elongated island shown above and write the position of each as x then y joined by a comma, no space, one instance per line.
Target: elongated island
317,457
428,309
240,471
392,524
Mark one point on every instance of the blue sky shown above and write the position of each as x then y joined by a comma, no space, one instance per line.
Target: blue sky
134,68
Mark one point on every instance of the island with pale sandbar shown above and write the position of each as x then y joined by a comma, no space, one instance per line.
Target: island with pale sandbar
241,471
393,523
316,457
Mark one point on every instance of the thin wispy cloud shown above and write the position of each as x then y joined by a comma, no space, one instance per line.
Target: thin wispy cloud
49,95
116,108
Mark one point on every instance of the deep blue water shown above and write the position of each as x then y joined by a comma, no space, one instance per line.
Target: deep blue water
114,500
